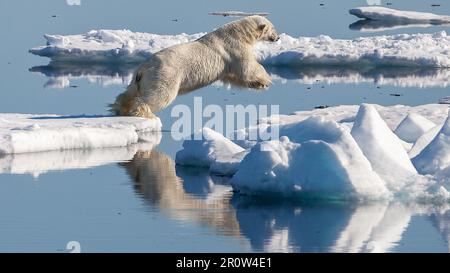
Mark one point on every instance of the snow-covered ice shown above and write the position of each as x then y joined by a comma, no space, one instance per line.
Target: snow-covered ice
232,13
339,152
430,50
413,127
322,158
108,45
388,14
215,151
382,147
436,155
22,133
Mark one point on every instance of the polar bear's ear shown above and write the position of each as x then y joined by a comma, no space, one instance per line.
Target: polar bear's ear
261,27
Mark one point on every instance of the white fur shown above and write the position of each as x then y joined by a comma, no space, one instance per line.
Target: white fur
224,54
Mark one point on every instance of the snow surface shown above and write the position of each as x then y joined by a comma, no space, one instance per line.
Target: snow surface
382,147
431,50
387,14
22,133
108,45
338,152
212,151
436,155
413,127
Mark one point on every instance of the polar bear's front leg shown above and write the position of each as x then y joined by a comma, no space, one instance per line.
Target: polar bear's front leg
141,109
255,76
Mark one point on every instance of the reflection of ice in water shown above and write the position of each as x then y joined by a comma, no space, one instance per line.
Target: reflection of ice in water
376,228
42,162
61,75
73,2
374,2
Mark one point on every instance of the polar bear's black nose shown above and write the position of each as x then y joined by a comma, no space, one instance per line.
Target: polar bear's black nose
274,38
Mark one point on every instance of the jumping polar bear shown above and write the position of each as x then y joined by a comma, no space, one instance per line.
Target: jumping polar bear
225,54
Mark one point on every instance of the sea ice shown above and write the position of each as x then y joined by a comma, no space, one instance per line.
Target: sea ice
412,127
436,155
387,14
338,152
208,149
382,147
418,50
22,133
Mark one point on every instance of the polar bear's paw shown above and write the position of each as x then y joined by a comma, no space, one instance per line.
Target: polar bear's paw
258,85
141,109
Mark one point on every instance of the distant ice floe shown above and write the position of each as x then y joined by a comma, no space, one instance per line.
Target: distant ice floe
237,13
73,2
416,50
387,14
338,152
23,133
381,19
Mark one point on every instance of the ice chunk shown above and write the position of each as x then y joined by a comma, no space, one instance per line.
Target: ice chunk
382,147
387,14
321,159
104,45
436,155
424,140
237,13
21,133
412,127
337,152
205,148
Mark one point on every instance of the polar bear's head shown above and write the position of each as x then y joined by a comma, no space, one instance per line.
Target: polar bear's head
265,31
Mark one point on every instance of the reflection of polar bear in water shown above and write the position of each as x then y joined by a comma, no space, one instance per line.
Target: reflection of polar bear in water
225,54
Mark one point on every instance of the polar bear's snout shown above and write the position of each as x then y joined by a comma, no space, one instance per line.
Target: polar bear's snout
274,38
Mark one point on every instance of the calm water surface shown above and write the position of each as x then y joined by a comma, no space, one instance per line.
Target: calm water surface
135,198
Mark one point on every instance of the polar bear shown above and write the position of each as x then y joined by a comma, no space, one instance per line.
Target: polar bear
225,54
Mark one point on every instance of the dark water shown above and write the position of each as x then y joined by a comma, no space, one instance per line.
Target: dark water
135,198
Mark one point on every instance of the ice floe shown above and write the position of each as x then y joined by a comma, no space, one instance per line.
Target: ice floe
430,50
337,152
22,133
388,14
237,13
108,45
